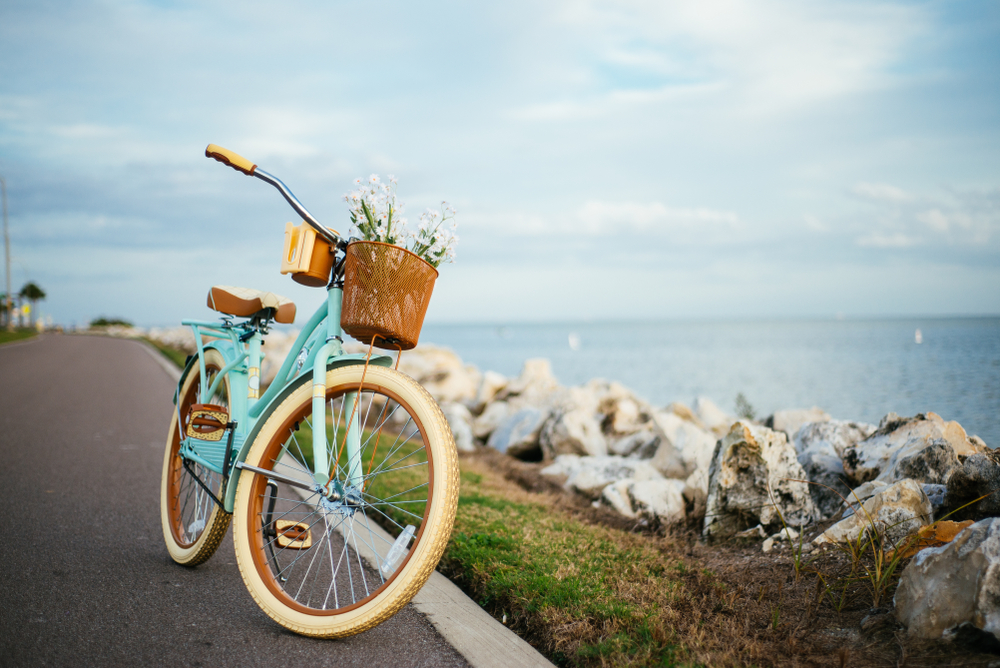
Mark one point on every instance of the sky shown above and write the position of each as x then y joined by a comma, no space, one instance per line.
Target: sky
608,160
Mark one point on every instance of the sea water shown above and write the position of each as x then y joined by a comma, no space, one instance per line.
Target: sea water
853,369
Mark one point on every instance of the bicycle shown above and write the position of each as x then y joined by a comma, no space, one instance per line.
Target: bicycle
341,479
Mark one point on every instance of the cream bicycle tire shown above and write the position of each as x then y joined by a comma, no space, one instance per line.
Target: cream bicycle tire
270,582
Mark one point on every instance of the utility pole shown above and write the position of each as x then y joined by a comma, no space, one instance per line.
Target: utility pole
6,246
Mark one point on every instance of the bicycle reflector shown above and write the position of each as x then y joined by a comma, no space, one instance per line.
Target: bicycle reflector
207,422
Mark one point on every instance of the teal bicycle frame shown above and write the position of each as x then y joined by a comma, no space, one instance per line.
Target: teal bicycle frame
318,348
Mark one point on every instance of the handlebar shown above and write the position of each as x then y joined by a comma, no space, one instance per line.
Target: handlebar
239,163
227,157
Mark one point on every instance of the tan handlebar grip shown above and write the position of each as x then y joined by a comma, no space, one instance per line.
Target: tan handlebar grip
227,157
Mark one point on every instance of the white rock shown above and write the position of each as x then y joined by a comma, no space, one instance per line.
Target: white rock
623,411
952,585
860,494
517,434
590,475
491,384
658,498
753,469
897,450
820,447
696,486
442,373
685,413
563,465
534,385
616,496
898,511
641,444
460,420
694,445
490,419
574,427
790,419
713,417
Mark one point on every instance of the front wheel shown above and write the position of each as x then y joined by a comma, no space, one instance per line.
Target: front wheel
347,547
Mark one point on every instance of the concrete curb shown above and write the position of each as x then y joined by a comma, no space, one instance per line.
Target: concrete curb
482,640
167,365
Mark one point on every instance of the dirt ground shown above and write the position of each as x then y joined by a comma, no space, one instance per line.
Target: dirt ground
747,607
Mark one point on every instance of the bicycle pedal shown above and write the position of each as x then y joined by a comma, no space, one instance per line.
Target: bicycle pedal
292,535
207,422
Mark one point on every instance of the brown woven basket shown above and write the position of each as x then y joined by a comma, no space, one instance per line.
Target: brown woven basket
386,293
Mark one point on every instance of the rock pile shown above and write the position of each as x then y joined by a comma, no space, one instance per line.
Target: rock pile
770,481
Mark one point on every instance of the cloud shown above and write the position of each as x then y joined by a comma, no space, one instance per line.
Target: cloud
900,219
598,218
879,240
774,55
880,192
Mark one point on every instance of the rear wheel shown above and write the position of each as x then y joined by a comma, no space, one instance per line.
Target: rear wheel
193,524
336,557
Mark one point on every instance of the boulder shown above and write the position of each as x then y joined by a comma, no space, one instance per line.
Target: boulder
616,496
978,476
897,511
460,420
574,426
590,475
924,447
712,417
820,446
944,589
684,413
623,411
657,498
790,420
442,373
682,439
489,387
534,385
753,469
517,434
641,444
862,493
487,421
937,494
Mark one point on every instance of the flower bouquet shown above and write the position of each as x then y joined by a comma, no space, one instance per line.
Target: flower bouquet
389,270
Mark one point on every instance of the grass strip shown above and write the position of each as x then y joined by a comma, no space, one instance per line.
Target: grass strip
175,355
16,335
583,594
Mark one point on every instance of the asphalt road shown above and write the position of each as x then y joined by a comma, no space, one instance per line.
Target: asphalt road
85,579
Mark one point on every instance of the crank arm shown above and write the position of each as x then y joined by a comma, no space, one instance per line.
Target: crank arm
280,478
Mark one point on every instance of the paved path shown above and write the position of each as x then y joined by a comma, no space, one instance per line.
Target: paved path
85,579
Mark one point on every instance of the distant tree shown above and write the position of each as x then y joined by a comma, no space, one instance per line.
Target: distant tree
33,294
4,315
105,321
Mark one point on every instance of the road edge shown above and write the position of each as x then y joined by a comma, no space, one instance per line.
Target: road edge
161,359
474,633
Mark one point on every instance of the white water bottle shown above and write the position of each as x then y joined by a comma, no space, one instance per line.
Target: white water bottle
397,551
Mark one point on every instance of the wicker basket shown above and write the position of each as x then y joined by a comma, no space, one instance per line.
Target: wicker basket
386,293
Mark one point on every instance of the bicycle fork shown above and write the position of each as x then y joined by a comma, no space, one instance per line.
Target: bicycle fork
322,473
